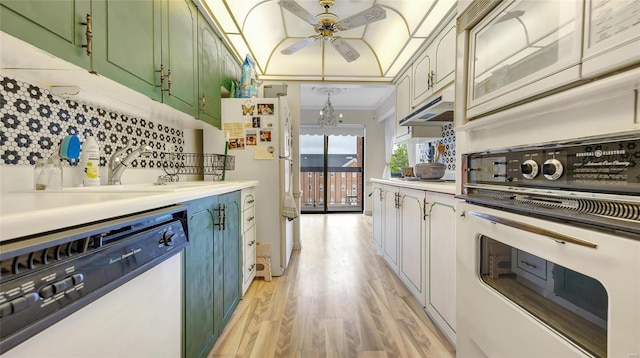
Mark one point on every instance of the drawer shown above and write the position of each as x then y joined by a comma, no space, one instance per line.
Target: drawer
249,240
248,273
532,264
248,219
248,201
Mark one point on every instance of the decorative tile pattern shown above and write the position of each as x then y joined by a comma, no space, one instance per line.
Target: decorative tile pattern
33,122
449,141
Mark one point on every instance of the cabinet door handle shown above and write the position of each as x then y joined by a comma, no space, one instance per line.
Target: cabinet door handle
169,82
224,217
161,78
89,34
252,242
251,218
424,209
252,267
204,103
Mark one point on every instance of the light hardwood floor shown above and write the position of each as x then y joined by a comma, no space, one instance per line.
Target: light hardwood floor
337,298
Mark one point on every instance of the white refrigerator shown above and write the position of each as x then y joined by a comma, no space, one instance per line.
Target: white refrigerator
259,134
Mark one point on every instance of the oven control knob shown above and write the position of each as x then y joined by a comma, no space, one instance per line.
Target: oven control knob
552,169
529,169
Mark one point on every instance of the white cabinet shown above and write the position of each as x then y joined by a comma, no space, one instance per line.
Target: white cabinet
418,242
403,103
422,85
441,252
377,212
248,227
390,239
445,57
412,233
522,49
611,35
435,67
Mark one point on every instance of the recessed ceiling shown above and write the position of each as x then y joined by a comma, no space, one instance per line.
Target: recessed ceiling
344,96
263,29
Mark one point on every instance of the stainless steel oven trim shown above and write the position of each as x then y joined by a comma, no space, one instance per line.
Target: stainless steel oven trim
558,193
555,236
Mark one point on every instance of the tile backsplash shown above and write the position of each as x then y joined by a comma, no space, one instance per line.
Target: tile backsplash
33,122
448,157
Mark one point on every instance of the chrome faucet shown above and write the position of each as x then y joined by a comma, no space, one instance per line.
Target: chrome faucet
120,161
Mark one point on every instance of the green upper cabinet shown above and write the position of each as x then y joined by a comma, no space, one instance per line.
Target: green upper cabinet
149,46
179,54
209,74
54,26
127,43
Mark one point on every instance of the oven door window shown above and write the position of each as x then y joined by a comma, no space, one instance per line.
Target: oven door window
572,304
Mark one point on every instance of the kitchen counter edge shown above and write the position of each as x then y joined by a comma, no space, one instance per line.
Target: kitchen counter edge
438,187
30,213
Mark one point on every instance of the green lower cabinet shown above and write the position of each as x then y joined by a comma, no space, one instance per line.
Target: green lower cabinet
212,276
54,26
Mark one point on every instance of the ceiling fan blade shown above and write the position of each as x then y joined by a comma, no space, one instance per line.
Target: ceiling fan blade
299,45
347,51
298,10
368,16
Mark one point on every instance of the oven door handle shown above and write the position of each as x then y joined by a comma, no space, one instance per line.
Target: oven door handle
555,236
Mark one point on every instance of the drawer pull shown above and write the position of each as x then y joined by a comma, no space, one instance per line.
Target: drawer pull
528,264
252,242
252,267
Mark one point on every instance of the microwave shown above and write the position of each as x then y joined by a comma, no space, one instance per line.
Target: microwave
516,51
523,48
611,36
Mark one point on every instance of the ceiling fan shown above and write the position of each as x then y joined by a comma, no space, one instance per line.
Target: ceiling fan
326,24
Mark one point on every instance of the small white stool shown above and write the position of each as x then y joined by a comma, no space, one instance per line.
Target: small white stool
263,260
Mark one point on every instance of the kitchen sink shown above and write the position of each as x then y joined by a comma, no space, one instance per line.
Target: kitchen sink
146,187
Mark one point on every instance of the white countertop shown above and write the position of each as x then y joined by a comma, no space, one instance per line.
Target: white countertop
32,212
446,187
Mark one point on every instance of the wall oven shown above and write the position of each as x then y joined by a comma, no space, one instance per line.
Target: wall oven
548,253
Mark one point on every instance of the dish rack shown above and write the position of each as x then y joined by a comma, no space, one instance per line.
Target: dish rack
175,164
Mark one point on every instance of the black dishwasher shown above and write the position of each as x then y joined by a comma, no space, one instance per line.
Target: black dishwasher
46,277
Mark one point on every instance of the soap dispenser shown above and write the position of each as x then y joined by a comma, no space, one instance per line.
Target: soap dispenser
90,162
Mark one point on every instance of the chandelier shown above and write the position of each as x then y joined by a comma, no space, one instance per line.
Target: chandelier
327,116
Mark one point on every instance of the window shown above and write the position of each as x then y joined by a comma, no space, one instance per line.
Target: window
309,201
354,174
310,188
333,174
354,187
342,201
333,200
310,174
321,188
343,175
343,187
333,188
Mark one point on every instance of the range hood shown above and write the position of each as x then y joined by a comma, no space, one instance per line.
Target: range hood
437,111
